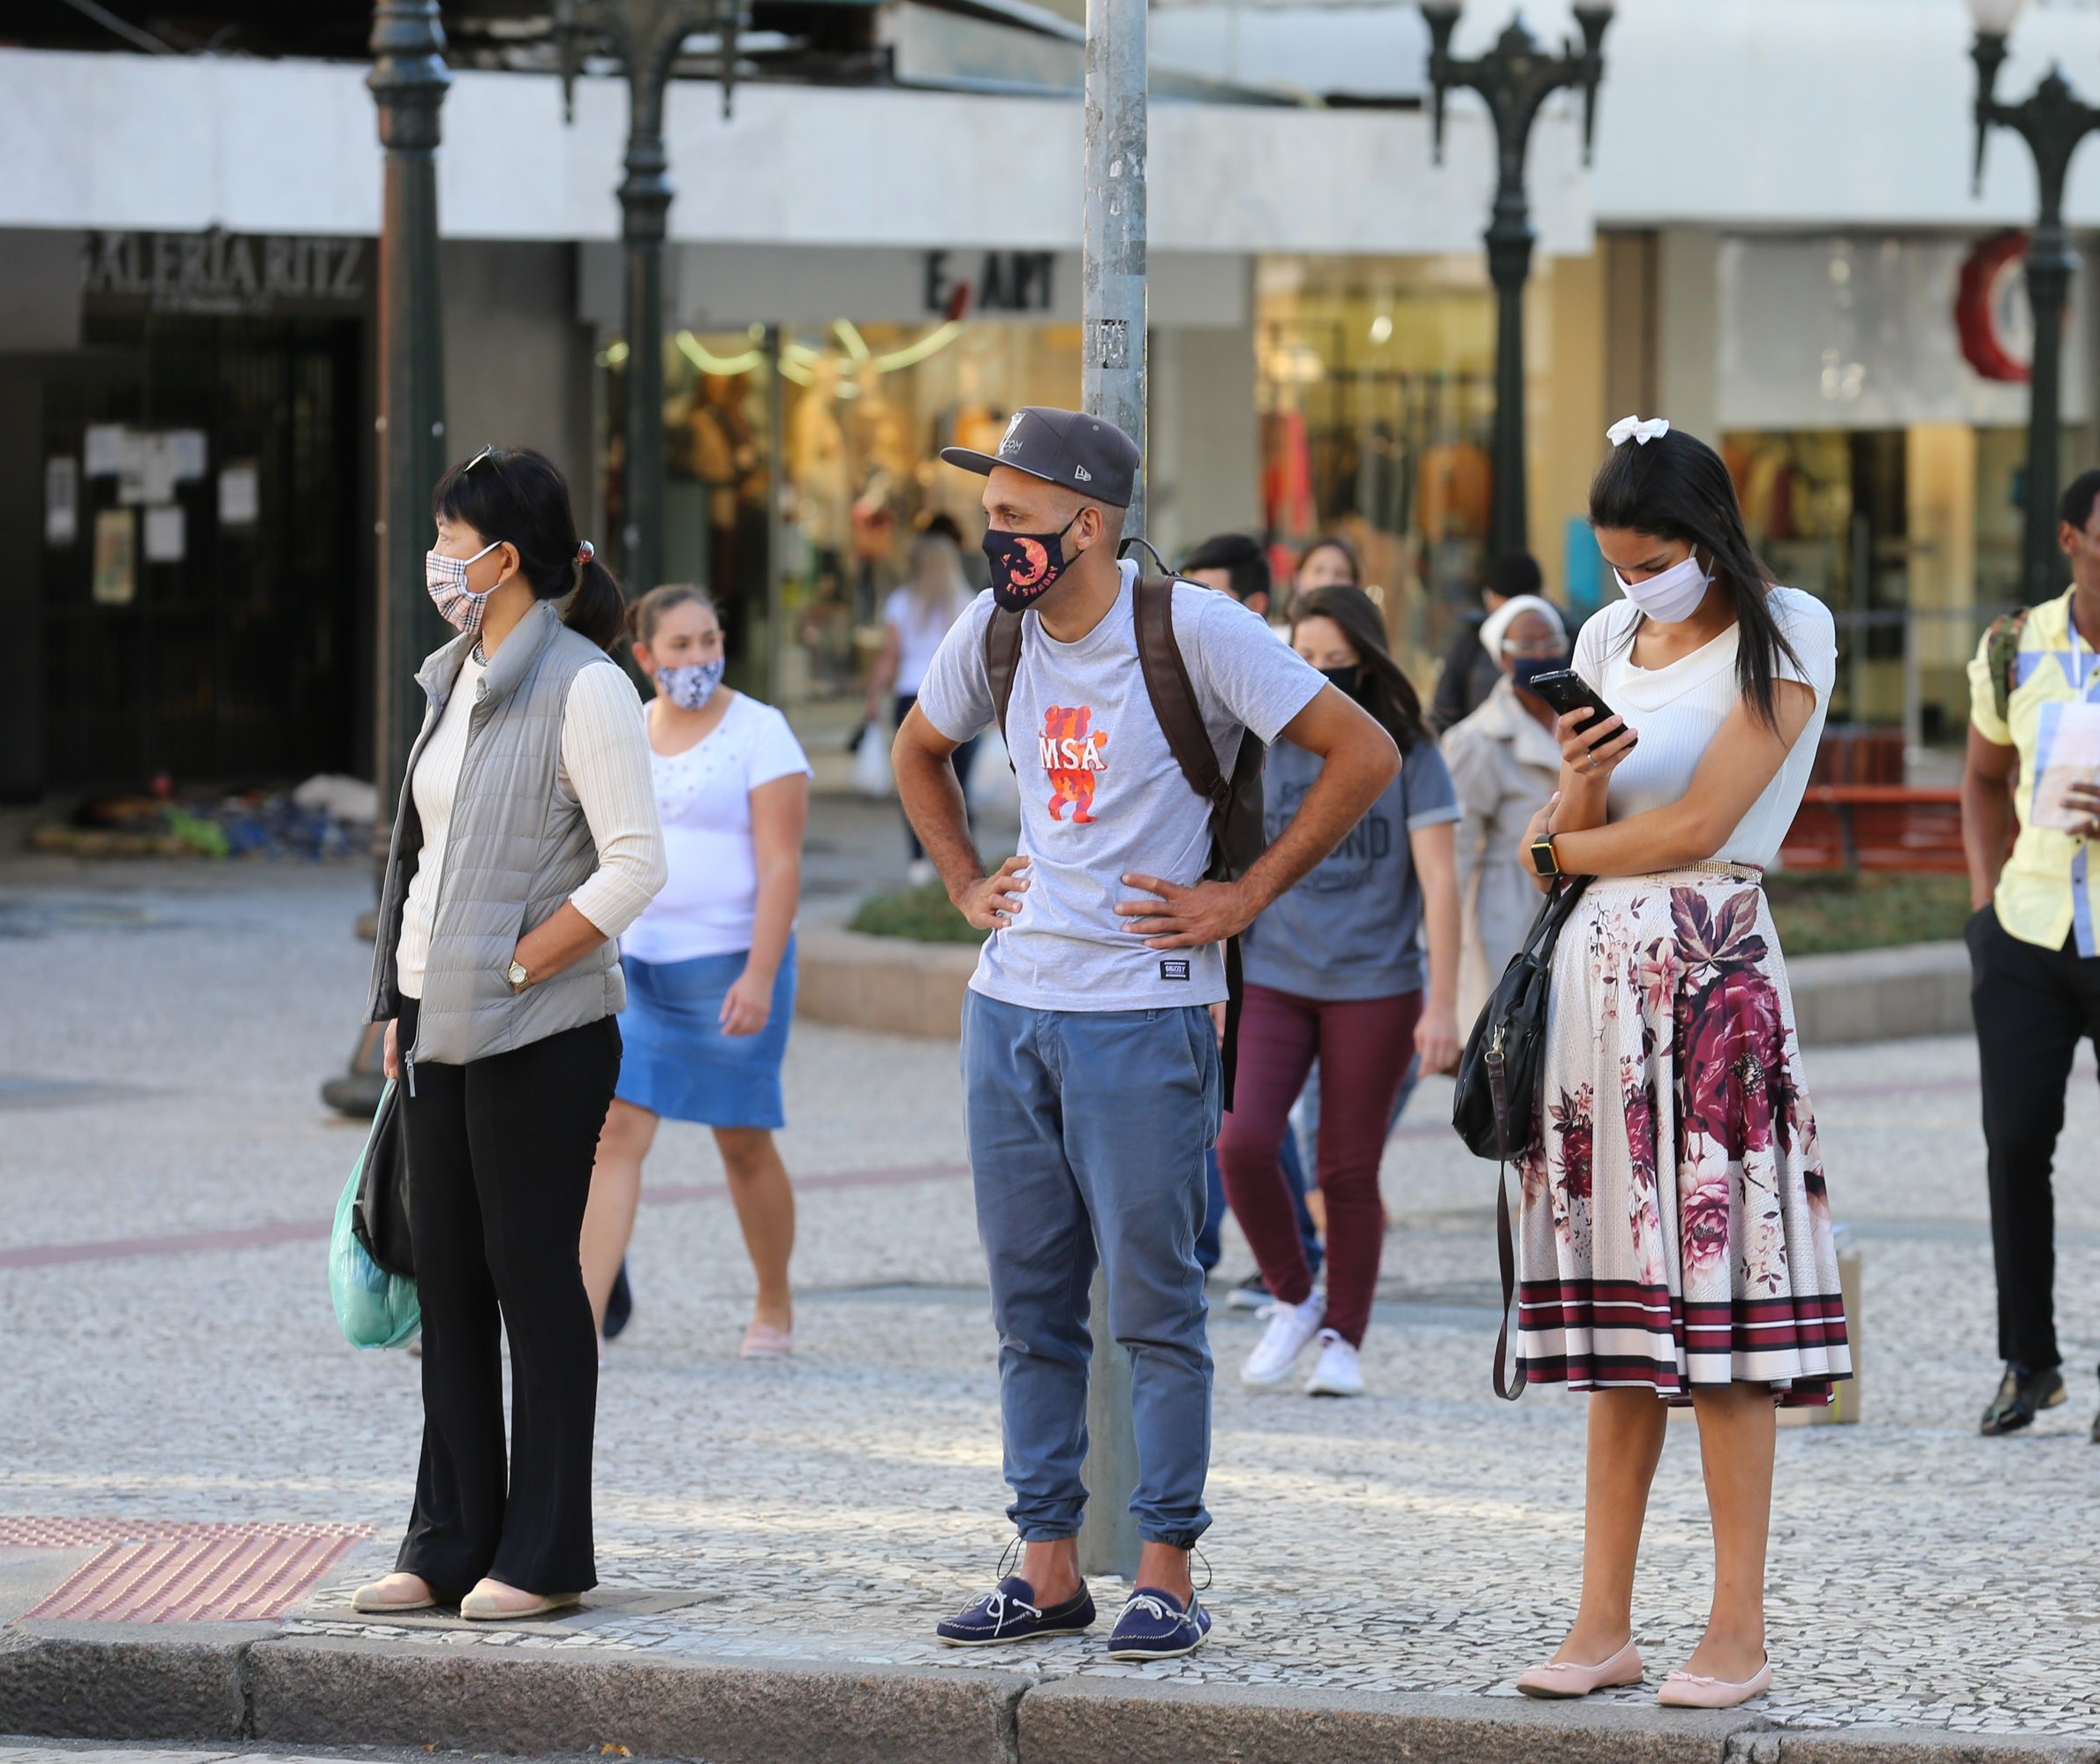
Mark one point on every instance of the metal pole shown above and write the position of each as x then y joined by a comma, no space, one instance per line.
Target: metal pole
645,206
1113,384
2049,262
408,82
1509,239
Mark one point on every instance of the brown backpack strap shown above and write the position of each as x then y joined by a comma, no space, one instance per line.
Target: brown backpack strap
1003,662
1173,693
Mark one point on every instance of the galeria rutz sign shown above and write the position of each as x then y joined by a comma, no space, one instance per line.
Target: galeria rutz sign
229,273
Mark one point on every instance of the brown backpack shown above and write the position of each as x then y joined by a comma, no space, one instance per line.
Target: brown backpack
1237,834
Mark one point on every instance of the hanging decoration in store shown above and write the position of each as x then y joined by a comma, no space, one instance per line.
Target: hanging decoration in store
1991,316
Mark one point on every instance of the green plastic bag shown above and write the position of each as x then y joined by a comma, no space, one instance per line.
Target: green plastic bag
375,1309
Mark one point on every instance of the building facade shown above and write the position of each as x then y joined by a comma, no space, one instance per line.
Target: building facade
1777,248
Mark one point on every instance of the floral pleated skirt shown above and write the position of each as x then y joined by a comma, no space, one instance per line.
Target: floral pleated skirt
1675,1231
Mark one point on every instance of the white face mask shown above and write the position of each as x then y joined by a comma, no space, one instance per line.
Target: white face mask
1672,595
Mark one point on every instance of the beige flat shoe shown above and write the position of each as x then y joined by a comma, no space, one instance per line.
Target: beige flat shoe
1572,1678
395,1593
1695,1691
480,1606
767,1341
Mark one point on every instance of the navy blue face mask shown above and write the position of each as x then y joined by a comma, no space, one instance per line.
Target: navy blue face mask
1526,668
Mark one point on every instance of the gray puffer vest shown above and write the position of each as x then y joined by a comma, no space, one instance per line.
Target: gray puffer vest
517,848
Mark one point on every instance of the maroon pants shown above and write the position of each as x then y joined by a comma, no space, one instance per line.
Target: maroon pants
1363,1046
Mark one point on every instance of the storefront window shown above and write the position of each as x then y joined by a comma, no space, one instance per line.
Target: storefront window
1377,396
801,463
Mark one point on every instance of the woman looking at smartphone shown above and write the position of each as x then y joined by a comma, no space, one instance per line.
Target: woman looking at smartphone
1675,1242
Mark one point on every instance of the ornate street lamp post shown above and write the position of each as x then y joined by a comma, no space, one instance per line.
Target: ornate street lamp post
1515,77
408,82
645,37
2053,123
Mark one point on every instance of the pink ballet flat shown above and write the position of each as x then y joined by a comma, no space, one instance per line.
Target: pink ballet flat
1692,1690
1572,1678
764,1341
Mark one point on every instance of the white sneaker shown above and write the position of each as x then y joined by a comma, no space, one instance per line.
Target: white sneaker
1290,1328
1338,1374
920,871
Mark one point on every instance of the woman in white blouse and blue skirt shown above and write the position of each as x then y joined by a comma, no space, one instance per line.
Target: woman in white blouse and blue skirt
710,963
1675,1244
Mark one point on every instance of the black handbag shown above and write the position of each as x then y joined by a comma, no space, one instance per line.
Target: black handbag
1496,1102
379,1215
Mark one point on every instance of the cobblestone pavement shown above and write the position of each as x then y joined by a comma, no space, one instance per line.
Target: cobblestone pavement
166,1030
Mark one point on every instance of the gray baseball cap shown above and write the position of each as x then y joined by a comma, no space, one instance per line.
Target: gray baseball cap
1083,453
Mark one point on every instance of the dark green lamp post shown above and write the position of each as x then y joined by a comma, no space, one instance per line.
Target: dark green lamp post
1514,78
408,82
2053,123
646,38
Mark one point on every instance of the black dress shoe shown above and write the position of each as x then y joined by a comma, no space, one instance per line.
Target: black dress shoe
2021,1396
619,1304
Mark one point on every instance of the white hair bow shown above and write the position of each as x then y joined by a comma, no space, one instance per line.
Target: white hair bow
1633,429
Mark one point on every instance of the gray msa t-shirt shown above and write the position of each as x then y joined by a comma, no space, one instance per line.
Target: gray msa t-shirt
1352,926
1102,796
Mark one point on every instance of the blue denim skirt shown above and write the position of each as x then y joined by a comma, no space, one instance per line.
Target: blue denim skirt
679,1064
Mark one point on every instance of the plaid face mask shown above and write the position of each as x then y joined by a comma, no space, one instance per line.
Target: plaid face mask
446,579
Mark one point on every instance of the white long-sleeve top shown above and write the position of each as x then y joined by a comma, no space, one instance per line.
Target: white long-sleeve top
605,766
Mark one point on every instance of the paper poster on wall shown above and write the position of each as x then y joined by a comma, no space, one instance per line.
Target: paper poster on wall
62,500
106,448
241,494
165,533
189,452
116,582
160,468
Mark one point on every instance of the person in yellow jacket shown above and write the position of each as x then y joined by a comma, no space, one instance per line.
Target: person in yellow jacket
2033,763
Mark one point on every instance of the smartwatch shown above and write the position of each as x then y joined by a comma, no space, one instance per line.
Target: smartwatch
1543,858
517,975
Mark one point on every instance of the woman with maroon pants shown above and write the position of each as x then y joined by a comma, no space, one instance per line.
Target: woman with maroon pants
1335,971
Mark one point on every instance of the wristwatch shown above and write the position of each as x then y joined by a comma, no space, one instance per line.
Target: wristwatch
1542,857
518,976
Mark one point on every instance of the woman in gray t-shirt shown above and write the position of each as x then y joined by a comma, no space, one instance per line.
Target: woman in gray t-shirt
1335,972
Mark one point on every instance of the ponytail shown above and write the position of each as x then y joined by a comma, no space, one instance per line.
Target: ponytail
597,609
518,495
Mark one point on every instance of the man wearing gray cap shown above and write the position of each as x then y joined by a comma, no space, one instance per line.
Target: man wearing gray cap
1091,1075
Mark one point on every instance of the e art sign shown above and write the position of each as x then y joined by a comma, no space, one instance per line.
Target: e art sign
224,272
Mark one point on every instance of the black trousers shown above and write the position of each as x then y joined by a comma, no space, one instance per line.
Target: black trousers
499,1160
2033,1006
960,759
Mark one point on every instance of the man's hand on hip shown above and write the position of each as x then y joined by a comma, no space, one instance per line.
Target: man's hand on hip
991,902
1186,915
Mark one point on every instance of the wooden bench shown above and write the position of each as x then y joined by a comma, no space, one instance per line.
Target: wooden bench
1876,826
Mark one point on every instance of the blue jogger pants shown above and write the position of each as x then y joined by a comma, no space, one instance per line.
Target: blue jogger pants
1087,1134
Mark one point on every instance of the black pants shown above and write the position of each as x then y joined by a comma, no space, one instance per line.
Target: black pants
960,759
499,1159
2033,1005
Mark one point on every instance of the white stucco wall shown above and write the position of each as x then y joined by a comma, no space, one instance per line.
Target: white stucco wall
180,143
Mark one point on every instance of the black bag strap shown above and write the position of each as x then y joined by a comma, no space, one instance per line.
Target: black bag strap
1538,944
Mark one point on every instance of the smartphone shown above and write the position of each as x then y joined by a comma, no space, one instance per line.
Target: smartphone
1567,690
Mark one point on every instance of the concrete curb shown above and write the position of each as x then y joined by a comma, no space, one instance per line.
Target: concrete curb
882,983
1913,989
905,988
245,1682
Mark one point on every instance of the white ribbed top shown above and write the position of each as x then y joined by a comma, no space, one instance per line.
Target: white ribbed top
605,767
1678,710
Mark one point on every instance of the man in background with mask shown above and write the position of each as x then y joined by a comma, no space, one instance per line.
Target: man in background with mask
1091,1071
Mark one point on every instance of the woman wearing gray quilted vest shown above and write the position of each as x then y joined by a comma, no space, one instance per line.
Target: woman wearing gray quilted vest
525,841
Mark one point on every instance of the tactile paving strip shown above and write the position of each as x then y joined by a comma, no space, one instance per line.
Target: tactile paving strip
172,1571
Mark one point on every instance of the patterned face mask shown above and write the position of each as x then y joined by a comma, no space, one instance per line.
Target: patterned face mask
457,605
690,688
